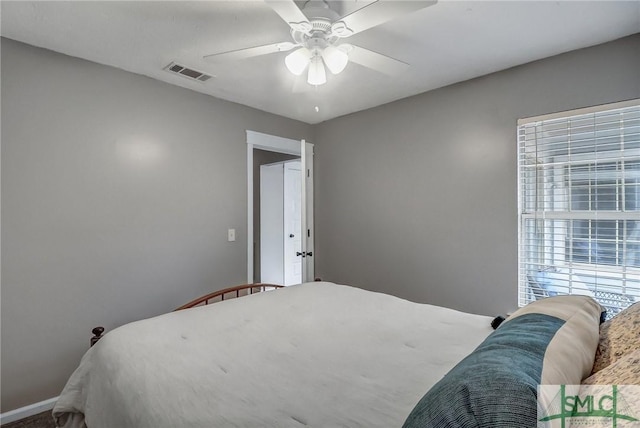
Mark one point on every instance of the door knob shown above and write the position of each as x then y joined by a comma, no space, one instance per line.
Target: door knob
291,235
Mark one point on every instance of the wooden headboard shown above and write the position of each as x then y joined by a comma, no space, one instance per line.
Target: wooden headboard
216,296
231,292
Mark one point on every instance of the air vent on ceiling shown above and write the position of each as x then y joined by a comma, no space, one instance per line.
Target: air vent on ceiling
189,73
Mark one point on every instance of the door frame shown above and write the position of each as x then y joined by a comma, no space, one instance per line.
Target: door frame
272,143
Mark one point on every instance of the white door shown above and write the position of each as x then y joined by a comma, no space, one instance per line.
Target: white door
306,165
271,224
292,223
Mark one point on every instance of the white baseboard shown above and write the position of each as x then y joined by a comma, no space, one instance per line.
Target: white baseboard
26,411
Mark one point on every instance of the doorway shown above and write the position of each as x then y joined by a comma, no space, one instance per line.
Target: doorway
260,158
279,149
280,248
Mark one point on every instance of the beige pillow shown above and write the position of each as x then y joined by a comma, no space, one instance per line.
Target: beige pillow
619,336
625,371
625,374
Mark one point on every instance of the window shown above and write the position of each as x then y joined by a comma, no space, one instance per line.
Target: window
579,203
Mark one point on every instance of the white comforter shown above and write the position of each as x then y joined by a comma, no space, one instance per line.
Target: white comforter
318,355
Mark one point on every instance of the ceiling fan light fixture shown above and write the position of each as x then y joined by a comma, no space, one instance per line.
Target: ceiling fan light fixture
335,59
317,76
298,60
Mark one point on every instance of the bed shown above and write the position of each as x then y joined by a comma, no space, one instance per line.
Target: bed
317,354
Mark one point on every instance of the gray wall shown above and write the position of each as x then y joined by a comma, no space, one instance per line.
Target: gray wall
418,198
117,193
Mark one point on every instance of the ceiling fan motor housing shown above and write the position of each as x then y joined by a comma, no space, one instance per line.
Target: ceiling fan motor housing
319,37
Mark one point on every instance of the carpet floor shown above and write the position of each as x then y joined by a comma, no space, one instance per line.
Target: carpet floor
41,420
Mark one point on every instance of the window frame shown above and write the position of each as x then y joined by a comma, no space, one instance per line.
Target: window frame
539,177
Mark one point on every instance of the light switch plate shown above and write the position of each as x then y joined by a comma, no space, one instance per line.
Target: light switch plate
231,236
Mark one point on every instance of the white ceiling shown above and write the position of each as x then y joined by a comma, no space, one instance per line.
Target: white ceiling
446,43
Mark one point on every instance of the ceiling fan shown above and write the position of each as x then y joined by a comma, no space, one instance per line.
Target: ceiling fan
317,31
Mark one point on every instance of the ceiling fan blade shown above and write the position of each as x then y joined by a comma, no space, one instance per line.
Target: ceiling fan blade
375,61
380,12
291,14
250,52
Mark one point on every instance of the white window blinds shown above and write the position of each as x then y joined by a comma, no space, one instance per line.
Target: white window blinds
579,202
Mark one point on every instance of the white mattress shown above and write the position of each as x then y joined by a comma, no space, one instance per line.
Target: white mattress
318,354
